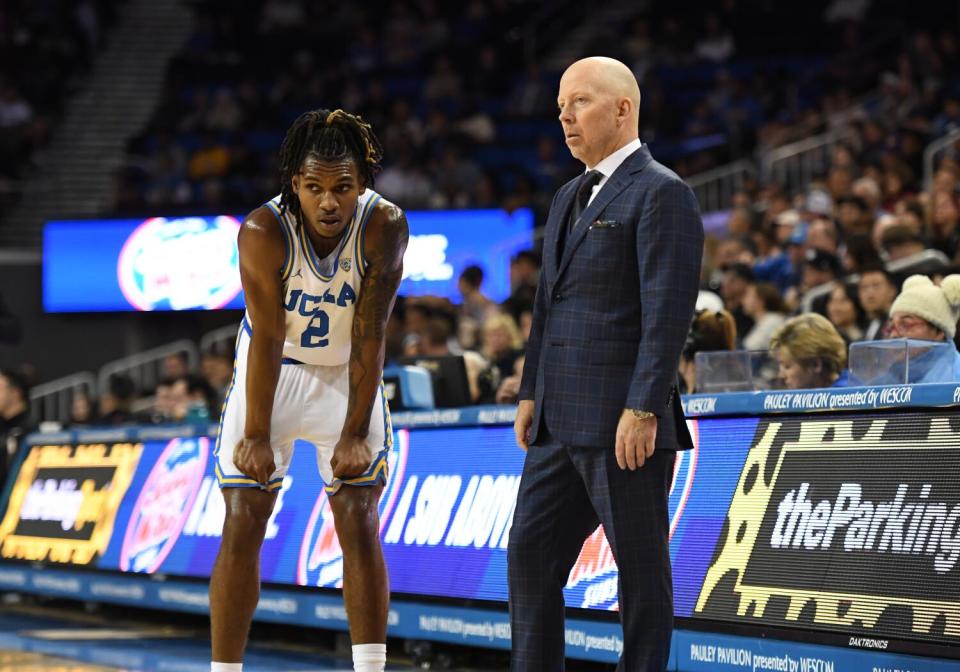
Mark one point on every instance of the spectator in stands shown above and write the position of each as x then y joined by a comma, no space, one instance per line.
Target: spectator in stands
810,352
524,273
736,279
435,337
859,253
81,410
822,235
944,219
201,400
899,242
211,160
867,189
475,304
14,416
924,311
175,365
763,304
509,388
845,312
216,366
710,331
502,342
877,290
820,271
163,403
854,215
117,401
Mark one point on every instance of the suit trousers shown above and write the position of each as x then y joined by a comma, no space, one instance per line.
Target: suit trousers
565,492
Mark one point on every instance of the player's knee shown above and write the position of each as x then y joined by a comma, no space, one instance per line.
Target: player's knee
355,510
245,521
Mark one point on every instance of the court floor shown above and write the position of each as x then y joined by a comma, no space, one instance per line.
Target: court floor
37,635
60,639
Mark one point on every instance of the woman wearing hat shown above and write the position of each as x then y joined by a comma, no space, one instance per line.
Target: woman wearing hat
926,312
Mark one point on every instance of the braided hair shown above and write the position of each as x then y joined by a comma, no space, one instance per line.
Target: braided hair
326,136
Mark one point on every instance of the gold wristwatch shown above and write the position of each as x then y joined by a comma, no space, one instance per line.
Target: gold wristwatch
642,415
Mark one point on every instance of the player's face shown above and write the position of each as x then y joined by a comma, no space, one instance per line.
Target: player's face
588,116
328,193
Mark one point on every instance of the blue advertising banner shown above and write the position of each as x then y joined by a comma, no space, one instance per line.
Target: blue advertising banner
447,507
842,524
192,263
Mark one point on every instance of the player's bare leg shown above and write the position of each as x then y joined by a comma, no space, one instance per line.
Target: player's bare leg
235,581
366,592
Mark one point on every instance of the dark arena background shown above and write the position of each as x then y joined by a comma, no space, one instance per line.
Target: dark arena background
813,528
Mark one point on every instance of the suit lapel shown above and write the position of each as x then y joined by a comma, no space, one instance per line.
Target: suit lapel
619,181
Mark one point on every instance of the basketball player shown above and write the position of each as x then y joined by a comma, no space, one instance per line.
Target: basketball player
320,265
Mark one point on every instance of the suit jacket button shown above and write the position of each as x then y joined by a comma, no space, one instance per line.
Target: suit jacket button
557,298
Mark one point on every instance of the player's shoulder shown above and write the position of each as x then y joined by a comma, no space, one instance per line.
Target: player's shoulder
387,218
387,212
261,229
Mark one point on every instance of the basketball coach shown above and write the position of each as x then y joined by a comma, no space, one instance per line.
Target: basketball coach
599,412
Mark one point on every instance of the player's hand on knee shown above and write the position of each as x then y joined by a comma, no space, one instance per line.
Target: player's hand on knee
254,459
636,440
523,422
351,457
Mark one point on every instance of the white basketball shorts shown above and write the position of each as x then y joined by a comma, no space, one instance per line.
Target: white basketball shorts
310,404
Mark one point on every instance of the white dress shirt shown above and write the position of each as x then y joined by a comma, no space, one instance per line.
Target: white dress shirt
610,164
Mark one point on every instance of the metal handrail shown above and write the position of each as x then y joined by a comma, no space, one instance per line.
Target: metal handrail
144,367
796,164
926,261
715,188
224,335
931,152
54,400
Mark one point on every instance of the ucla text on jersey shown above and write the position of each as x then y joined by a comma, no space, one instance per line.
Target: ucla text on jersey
319,295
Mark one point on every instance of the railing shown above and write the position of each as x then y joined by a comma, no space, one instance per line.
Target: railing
224,337
144,367
927,261
795,165
715,188
54,400
933,152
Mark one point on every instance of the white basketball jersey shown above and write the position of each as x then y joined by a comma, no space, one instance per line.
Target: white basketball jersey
320,295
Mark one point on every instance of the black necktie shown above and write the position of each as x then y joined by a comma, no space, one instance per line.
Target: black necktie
588,181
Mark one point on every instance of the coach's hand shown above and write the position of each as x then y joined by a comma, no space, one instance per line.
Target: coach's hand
523,422
636,440
351,457
254,459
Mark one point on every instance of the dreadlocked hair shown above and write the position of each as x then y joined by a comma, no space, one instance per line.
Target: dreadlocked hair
326,136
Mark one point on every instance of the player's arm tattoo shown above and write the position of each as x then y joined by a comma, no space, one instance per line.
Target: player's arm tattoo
385,243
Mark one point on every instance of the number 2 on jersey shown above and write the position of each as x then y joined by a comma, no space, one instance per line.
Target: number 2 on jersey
314,336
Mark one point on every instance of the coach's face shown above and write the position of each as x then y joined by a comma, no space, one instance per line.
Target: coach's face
589,114
328,193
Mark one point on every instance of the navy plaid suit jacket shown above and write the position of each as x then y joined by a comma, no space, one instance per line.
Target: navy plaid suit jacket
611,316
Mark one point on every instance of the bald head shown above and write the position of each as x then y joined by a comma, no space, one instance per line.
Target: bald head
599,102
611,76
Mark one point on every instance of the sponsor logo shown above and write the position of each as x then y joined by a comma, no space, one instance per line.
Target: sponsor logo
321,558
426,258
346,264
164,504
820,500
181,264
595,571
64,502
